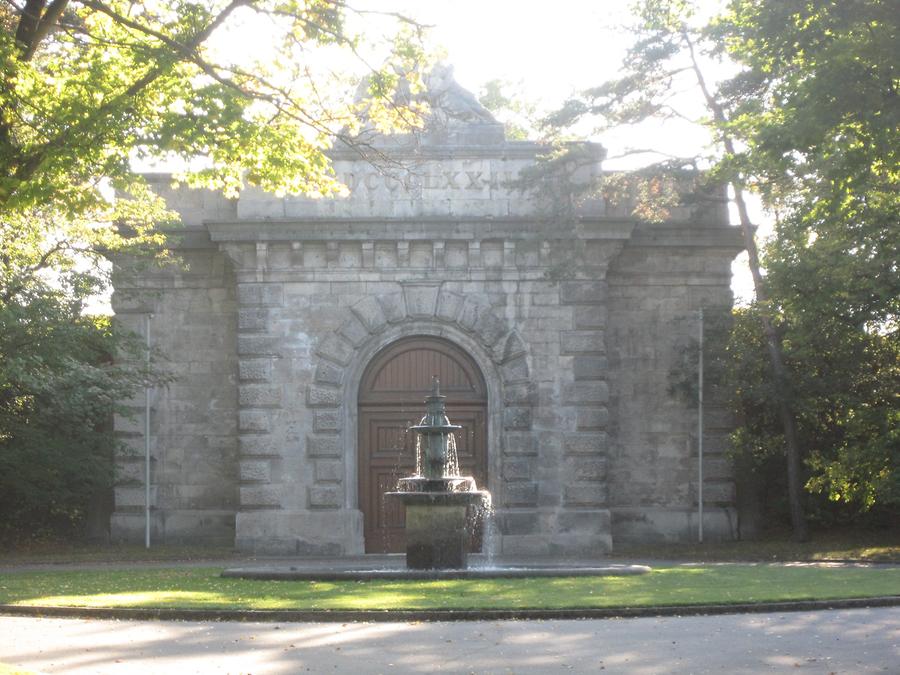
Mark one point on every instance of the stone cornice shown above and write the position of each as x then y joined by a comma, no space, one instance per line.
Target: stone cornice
422,228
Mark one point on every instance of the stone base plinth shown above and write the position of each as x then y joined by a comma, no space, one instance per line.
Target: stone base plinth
437,530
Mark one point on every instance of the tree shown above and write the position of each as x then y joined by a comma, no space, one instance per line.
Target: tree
88,86
667,56
810,121
816,105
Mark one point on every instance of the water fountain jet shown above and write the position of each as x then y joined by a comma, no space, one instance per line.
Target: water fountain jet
438,500
439,503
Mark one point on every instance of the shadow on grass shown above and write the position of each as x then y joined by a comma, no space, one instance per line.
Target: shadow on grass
202,588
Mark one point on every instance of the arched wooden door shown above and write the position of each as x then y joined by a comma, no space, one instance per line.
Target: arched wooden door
391,398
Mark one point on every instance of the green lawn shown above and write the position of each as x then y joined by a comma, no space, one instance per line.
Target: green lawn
203,588
835,544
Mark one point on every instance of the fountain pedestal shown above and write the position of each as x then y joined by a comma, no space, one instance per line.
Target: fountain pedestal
437,529
437,499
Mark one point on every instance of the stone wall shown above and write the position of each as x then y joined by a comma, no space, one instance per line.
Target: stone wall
193,420
656,289
312,313
575,326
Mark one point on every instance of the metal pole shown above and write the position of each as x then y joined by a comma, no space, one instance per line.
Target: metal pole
147,440
700,435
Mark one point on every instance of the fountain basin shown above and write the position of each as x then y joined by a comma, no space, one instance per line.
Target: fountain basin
437,527
308,570
416,484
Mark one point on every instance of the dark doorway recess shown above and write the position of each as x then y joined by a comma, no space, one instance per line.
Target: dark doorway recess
391,398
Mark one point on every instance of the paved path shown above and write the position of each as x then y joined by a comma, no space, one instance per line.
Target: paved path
847,641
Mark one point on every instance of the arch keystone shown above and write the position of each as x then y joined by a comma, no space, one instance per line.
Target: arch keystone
421,299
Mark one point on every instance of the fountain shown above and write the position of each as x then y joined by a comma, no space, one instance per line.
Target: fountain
438,500
442,507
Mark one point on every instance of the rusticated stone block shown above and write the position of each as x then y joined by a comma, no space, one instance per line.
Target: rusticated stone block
585,393
585,444
325,497
324,446
584,494
520,494
517,418
515,370
258,446
254,420
421,301
513,348
354,330
520,393
259,395
490,327
519,444
468,315
717,468
370,313
449,305
267,295
592,521
326,420
335,348
255,472
718,492
587,468
255,369
590,316
592,418
259,496
251,345
517,469
329,373
134,496
253,320
394,307
321,397
591,367
582,292
329,471
519,522
582,342
133,424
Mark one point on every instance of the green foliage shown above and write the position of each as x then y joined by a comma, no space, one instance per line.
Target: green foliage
844,388
816,106
519,116
811,121
58,389
86,87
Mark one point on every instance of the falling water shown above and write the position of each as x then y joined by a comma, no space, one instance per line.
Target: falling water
451,468
418,456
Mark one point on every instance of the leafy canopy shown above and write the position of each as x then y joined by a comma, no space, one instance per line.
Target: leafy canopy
86,88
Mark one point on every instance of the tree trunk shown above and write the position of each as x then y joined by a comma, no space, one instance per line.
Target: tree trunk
773,341
779,375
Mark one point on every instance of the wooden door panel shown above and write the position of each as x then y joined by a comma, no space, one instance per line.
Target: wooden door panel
392,395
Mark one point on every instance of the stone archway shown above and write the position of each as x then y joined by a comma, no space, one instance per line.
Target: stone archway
390,400
417,309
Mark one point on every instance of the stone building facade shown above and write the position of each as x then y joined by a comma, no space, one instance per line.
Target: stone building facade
291,316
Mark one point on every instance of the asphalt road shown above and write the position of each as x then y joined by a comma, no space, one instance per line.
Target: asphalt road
846,641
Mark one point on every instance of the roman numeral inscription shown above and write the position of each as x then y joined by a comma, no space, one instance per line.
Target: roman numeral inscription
475,181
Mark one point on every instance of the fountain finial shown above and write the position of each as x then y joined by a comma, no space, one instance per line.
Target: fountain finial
435,386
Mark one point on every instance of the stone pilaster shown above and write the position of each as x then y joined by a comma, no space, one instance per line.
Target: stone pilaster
259,397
